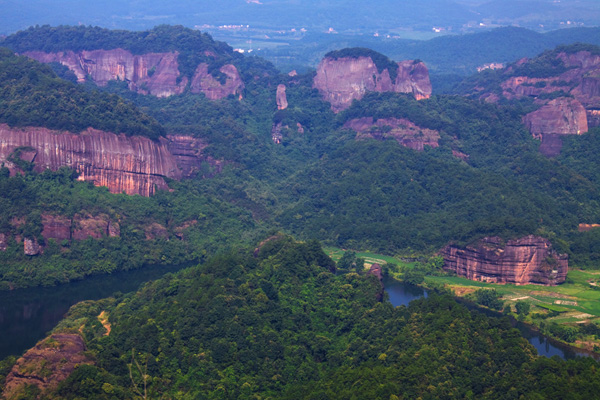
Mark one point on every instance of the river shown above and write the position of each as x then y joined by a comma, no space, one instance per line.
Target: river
400,293
27,315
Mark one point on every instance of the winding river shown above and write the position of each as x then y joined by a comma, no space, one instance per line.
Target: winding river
401,294
27,315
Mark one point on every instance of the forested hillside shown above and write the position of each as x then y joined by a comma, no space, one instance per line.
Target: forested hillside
281,324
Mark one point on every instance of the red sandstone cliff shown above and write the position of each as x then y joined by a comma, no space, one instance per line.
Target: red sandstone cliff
561,116
153,73
342,80
134,165
404,131
523,261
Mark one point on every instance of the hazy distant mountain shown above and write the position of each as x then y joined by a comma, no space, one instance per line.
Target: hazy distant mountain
341,15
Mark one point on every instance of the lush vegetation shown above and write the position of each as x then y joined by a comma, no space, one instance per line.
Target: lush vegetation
32,95
282,325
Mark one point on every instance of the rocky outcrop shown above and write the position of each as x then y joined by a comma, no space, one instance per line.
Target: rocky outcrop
31,247
156,231
153,73
528,260
47,364
561,116
587,227
134,164
404,131
213,88
85,225
56,227
342,80
573,113
281,97
189,156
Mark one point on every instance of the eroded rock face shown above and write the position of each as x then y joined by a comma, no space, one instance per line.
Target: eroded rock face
96,227
281,97
152,73
523,261
47,364
342,80
134,165
561,116
56,227
213,88
189,156
404,131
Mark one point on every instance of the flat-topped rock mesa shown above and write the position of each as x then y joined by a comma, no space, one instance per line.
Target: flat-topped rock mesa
130,164
528,260
152,73
404,131
340,80
47,364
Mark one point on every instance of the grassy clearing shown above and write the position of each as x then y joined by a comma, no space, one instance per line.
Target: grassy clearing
370,258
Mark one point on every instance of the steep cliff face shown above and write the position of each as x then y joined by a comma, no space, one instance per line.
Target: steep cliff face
213,88
47,364
404,131
153,73
523,261
342,80
561,116
134,165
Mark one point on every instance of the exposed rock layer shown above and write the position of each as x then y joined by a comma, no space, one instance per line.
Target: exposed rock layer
153,73
561,116
523,261
134,165
342,80
281,97
404,131
47,364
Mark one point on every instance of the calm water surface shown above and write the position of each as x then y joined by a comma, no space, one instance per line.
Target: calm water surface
27,315
401,294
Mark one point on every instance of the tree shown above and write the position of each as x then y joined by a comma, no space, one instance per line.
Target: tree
522,307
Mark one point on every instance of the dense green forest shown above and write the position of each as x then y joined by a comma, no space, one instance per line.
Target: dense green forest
32,95
281,324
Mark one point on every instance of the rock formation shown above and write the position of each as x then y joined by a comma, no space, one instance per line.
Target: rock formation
528,260
31,247
579,86
153,73
342,80
47,364
56,227
404,131
587,227
281,97
134,165
213,88
561,116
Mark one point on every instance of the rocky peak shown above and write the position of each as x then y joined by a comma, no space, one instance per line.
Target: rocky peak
528,260
342,80
213,88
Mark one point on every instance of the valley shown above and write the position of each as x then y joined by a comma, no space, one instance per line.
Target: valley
130,151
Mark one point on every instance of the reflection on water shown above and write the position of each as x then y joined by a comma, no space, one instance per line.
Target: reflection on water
401,294
27,315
